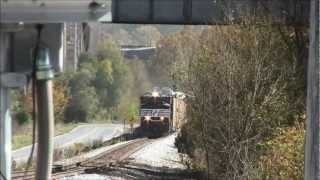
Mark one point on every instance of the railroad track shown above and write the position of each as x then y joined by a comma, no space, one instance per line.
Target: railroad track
127,170
108,158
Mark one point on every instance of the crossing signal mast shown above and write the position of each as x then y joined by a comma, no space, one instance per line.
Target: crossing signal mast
19,18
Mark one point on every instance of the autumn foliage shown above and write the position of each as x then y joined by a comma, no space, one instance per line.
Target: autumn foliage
243,83
61,99
24,102
283,158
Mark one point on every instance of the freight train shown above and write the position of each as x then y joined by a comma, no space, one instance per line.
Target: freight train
162,111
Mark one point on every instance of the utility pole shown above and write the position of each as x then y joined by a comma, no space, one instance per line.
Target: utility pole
44,76
312,136
5,118
75,47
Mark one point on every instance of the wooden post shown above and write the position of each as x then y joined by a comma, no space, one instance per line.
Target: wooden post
312,143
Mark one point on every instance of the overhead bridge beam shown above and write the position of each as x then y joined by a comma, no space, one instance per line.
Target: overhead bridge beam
207,11
53,11
152,11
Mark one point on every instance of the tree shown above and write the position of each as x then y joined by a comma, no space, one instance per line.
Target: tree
108,50
111,74
172,56
103,76
103,83
23,106
239,78
138,79
147,35
83,105
84,100
61,99
122,37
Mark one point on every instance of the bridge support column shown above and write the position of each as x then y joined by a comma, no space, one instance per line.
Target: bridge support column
5,119
312,137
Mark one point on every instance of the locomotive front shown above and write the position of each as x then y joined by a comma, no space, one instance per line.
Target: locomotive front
156,114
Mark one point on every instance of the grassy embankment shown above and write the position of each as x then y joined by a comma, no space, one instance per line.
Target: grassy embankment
24,137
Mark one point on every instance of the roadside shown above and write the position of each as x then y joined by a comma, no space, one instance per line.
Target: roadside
84,134
24,136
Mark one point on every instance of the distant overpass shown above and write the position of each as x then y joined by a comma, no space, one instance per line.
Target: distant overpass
138,52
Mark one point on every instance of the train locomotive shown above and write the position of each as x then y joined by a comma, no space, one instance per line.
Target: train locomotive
162,111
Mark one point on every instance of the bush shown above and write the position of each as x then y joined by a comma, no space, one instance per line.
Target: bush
83,105
96,88
283,158
61,99
23,117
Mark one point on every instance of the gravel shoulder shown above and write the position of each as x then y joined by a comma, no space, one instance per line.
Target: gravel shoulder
160,153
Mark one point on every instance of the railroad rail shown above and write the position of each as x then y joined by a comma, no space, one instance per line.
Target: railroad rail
108,158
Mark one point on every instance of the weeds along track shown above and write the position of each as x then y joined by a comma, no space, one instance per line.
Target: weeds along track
107,158
130,170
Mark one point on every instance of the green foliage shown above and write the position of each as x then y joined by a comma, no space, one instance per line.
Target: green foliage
103,83
84,100
136,83
108,50
97,87
83,105
111,75
23,117
21,107
86,57
132,113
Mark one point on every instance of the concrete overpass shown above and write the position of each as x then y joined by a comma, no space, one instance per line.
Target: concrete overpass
221,12
137,52
153,11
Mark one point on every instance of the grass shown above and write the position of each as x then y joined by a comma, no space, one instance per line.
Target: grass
21,140
64,153
76,149
24,138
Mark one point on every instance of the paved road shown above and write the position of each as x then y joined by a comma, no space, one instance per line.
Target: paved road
82,134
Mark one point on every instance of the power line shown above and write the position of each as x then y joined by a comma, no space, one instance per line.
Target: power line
34,117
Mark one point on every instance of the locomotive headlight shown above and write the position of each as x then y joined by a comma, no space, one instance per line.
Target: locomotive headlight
155,94
147,118
161,118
